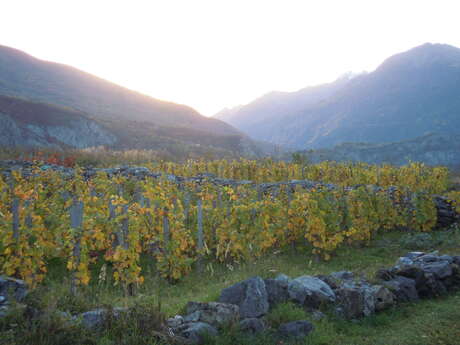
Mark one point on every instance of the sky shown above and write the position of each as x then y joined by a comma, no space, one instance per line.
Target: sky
212,54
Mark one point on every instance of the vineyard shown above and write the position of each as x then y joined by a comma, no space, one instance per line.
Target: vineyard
189,222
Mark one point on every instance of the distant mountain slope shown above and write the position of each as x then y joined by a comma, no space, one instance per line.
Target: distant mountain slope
260,118
407,96
30,124
137,120
432,149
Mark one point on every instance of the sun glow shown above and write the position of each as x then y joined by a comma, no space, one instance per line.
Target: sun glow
215,54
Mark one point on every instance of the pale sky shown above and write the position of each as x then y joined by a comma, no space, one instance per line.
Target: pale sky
211,54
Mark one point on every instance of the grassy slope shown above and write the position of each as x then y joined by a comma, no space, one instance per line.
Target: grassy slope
426,322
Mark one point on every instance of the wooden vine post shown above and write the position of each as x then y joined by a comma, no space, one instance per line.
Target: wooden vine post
200,234
76,222
15,223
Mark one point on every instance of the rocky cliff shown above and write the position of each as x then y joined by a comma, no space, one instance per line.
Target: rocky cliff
30,124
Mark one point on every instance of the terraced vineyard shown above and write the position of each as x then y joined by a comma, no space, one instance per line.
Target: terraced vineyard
118,216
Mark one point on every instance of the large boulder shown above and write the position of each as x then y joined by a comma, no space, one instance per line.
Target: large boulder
295,329
195,332
440,269
403,288
95,318
310,291
383,297
277,291
453,282
353,302
456,259
433,274
358,299
249,295
432,286
252,325
213,313
336,279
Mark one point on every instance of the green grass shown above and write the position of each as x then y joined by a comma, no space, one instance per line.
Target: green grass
286,312
430,322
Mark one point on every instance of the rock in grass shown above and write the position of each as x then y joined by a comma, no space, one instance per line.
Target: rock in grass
403,288
277,291
384,274
456,259
310,291
250,295
213,313
432,286
252,325
335,279
441,269
317,315
295,329
433,274
414,255
175,322
197,332
383,297
11,288
95,318
284,279
356,300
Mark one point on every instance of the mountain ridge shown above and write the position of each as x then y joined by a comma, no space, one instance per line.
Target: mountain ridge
59,127
137,120
409,95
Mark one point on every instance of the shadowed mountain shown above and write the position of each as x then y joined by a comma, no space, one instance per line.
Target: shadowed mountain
31,124
409,95
137,120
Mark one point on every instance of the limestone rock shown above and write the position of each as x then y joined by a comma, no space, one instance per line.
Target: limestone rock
197,332
310,291
295,329
354,302
213,313
335,279
383,297
95,318
175,322
250,295
403,288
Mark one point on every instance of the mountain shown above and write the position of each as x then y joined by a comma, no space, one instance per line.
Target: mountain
432,149
409,95
32,124
136,120
260,118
